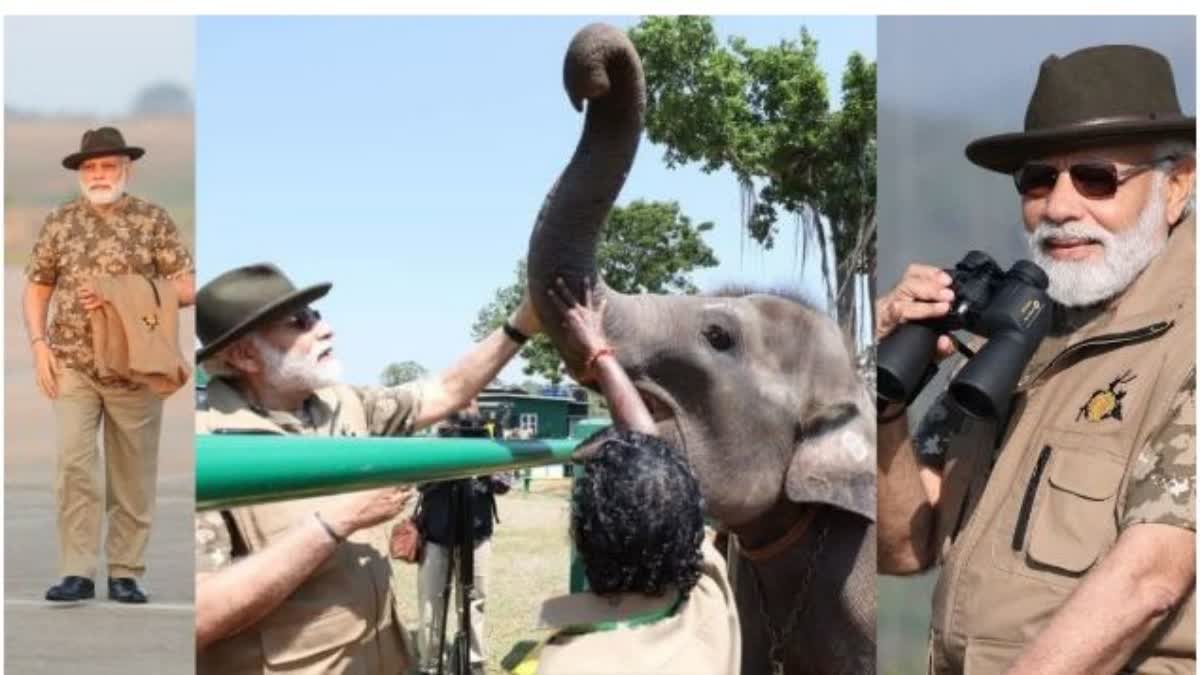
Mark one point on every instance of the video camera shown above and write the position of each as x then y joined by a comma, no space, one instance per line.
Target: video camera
1010,309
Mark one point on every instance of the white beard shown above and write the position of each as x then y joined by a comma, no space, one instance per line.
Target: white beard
104,196
289,372
1079,283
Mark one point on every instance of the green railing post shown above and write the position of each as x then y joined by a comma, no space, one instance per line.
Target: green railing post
237,469
234,469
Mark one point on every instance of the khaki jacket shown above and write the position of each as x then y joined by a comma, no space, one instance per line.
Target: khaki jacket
135,333
342,619
1020,527
701,638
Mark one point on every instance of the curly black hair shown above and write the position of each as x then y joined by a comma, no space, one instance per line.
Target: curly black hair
637,519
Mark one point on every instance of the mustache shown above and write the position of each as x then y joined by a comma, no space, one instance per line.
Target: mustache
1047,231
320,349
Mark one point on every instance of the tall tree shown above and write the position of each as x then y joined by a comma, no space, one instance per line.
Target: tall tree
764,113
647,247
402,372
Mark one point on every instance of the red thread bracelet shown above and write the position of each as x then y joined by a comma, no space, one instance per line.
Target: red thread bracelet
591,362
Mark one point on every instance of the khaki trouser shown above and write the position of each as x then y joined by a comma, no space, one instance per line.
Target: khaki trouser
132,421
431,579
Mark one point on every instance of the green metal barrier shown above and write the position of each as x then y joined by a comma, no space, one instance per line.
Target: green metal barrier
235,469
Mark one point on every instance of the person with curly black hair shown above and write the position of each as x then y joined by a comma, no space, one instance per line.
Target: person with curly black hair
659,598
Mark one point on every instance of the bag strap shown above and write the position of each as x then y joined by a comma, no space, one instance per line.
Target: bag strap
237,545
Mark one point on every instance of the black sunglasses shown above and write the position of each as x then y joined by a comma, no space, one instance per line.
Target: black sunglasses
1093,179
302,319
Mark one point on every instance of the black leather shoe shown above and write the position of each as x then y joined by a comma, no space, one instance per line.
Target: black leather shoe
72,589
125,589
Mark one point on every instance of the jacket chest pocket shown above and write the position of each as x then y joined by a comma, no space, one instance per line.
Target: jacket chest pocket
1073,518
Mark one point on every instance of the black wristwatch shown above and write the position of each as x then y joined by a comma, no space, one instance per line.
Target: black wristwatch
514,334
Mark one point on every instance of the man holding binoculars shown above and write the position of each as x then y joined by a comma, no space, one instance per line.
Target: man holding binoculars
1054,479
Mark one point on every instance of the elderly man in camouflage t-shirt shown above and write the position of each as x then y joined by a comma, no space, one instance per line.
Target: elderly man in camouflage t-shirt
105,232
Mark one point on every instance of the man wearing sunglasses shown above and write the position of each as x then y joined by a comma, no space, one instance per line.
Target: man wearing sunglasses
1066,532
304,586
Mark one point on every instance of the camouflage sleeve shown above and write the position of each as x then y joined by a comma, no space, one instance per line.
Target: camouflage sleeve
391,411
42,267
171,257
941,423
1162,481
214,548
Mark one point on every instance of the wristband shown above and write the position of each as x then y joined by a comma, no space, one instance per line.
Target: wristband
591,362
337,539
37,339
514,334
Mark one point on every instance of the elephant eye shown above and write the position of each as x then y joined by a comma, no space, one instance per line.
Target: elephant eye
717,337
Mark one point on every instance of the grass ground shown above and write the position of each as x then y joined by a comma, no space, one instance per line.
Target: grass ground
530,557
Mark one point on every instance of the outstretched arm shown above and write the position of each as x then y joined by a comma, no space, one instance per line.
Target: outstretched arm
585,324
452,389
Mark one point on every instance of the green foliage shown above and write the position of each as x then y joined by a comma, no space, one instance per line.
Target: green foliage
646,247
764,113
400,373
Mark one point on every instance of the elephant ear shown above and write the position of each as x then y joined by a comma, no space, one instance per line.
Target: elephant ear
834,459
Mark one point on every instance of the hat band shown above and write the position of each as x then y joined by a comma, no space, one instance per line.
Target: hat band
1118,119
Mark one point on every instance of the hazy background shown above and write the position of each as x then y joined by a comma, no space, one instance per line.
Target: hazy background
944,81
64,75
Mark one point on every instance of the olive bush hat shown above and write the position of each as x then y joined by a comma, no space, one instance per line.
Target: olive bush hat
1100,96
98,143
242,299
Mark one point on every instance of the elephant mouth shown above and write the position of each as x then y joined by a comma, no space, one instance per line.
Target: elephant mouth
663,409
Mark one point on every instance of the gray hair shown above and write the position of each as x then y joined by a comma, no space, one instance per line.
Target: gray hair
217,365
1180,149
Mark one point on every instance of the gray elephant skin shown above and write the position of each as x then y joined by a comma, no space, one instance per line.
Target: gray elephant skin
757,389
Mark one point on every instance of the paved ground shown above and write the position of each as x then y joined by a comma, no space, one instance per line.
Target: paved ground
97,637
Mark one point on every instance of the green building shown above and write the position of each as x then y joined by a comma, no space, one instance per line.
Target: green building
539,416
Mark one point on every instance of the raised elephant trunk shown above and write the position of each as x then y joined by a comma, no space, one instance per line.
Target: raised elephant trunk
602,67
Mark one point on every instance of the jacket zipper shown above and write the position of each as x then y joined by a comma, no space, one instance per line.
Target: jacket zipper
1153,330
1027,503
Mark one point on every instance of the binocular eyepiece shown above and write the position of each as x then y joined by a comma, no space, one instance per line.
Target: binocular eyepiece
1010,309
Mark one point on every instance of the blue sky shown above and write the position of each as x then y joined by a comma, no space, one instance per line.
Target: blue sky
404,159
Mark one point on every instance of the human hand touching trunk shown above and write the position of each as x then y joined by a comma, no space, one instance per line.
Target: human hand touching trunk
585,330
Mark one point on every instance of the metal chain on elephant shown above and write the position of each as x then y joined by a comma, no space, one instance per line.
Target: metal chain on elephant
778,639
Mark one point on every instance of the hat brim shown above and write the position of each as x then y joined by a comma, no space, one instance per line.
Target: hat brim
274,310
1007,152
73,160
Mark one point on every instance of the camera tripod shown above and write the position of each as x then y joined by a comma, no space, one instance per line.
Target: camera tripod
462,554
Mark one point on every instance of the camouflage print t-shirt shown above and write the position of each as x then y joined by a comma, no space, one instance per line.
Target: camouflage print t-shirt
78,243
1162,482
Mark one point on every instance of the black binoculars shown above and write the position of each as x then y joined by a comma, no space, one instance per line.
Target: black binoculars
1010,309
